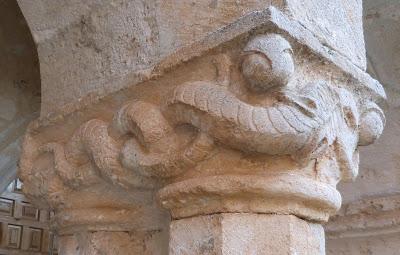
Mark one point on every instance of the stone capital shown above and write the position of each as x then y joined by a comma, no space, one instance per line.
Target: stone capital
258,117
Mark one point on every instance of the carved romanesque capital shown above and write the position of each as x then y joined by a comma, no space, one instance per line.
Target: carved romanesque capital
261,118
285,134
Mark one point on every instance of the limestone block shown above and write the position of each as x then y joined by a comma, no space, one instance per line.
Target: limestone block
338,24
237,234
100,45
104,46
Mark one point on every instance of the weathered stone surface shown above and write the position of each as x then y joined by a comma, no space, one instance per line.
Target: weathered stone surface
261,116
337,24
383,244
380,162
234,234
105,46
99,44
368,223
307,125
116,243
371,216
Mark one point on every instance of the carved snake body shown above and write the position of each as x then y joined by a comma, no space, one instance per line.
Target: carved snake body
283,128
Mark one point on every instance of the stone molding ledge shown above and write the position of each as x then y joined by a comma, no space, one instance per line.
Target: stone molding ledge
366,217
260,112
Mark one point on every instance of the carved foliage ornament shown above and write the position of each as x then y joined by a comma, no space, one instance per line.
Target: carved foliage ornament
147,144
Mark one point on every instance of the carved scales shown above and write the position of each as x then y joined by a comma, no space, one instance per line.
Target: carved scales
248,126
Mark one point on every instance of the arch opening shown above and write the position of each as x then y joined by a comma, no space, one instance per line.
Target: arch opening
20,89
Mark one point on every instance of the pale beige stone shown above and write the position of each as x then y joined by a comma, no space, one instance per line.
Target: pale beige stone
104,46
108,242
368,222
249,107
230,132
235,234
383,244
373,216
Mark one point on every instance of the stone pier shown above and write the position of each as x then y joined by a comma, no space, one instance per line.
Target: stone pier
201,128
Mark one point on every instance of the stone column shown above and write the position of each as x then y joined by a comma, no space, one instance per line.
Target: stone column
246,233
284,131
99,208
242,136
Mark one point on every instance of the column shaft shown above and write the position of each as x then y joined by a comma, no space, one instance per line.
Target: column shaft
245,233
